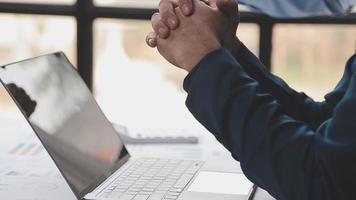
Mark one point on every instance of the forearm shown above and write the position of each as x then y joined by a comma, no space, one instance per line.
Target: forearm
277,152
297,105
249,124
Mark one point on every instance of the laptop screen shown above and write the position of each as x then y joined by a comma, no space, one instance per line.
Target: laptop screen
66,118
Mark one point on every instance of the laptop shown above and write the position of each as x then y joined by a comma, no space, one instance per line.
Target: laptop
89,152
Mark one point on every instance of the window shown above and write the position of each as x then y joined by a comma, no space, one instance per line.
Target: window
7,106
134,85
312,58
25,36
40,1
128,3
121,58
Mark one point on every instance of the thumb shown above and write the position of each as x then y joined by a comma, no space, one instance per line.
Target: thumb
228,7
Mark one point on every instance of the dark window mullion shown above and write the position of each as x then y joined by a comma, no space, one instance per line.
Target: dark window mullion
85,40
85,13
266,39
41,9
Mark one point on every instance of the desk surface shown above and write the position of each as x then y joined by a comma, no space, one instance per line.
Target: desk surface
208,149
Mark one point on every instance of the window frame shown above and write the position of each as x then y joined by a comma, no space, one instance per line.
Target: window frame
85,12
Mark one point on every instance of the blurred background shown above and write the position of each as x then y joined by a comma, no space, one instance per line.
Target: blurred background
136,87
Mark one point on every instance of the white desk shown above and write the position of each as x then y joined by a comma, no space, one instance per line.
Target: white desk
49,181
26,170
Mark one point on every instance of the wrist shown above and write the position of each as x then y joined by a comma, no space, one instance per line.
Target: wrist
196,56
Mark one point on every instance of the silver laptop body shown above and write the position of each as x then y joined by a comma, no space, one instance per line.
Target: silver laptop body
88,151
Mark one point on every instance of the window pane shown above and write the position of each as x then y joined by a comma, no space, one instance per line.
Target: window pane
134,85
141,4
40,1
249,34
7,106
311,58
28,36
128,3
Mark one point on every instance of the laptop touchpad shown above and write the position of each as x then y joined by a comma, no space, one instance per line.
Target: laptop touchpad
221,183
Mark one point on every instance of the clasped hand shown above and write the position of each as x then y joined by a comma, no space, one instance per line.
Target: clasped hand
185,31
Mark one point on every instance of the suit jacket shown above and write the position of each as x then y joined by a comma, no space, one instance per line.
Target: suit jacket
300,8
288,144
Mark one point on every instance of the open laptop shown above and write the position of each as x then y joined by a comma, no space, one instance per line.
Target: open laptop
88,151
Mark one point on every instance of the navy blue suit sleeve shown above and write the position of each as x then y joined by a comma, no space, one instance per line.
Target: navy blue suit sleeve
283,155
297,105
300,8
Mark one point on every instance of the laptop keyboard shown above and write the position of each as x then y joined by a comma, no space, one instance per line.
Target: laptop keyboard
152,179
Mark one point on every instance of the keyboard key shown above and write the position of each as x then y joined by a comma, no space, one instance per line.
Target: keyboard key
126,197
148,189
175,190
173,193
139,187
162,189
141,197
120,190
133,190
130,193
156,197
124,187
145,193
115,195
170,197
159,192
